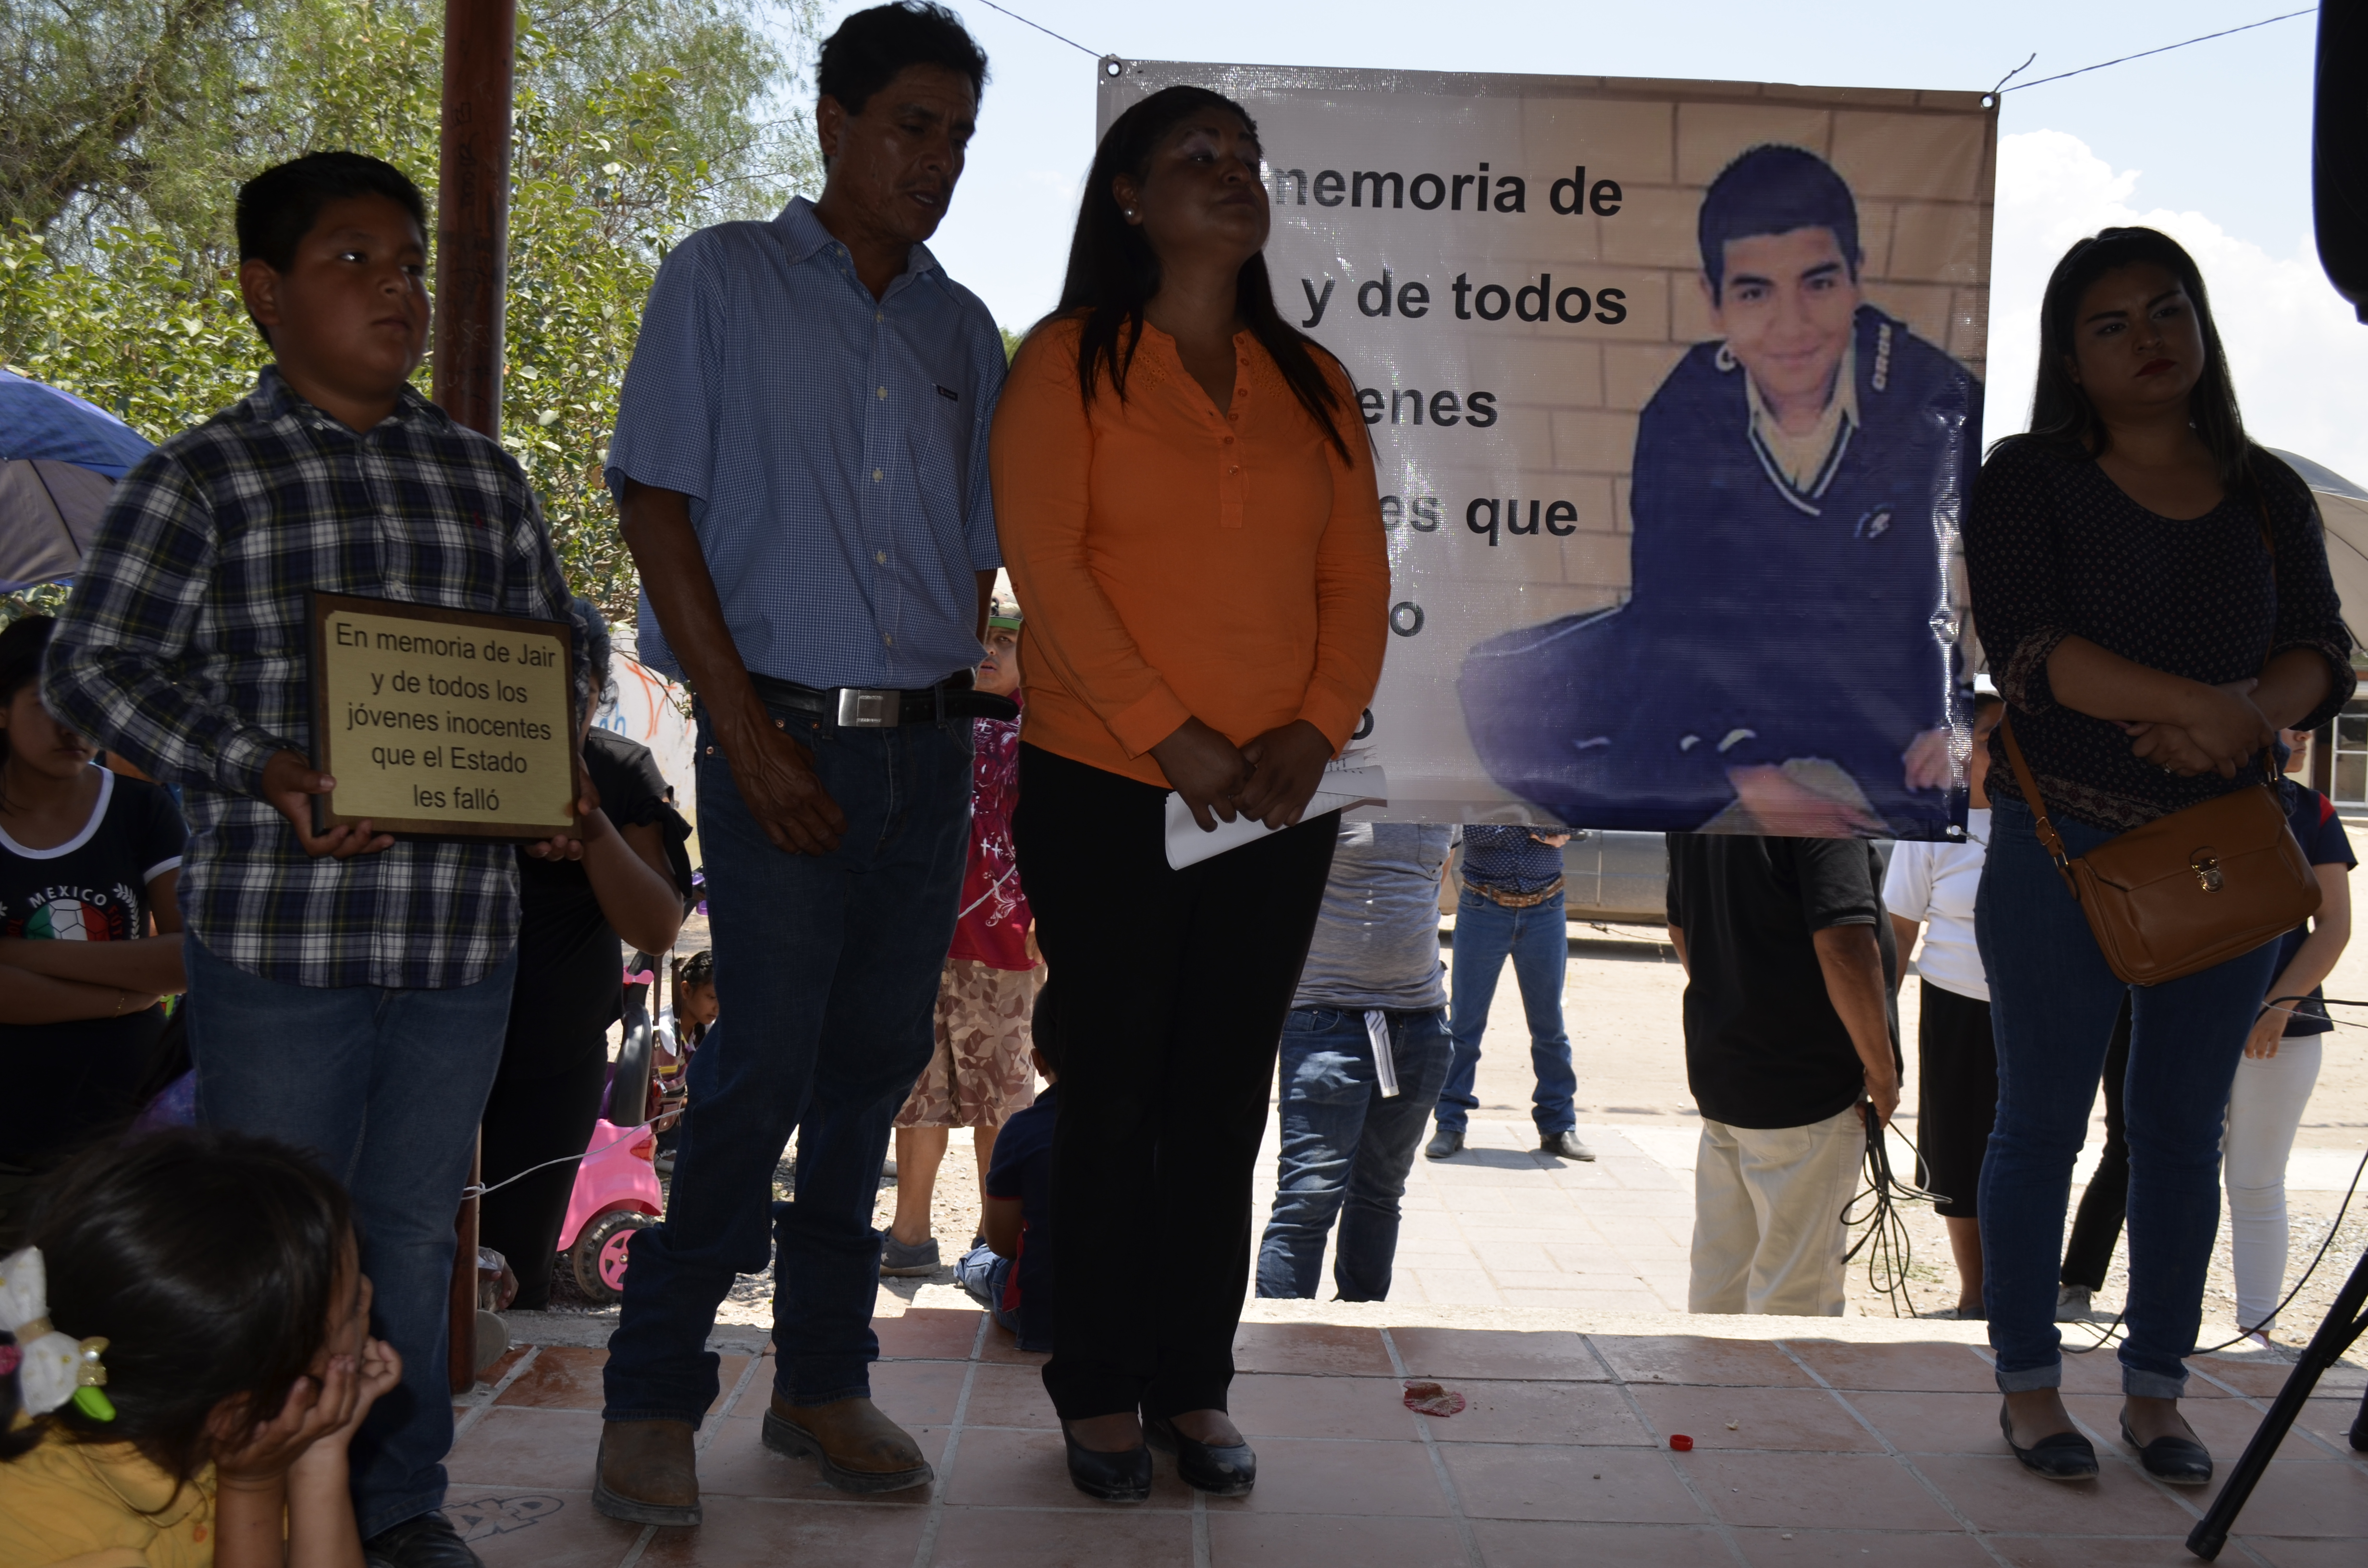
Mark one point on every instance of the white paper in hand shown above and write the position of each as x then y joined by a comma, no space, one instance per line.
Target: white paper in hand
1342,787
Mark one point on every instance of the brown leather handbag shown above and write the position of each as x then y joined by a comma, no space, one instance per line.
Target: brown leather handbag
2187,891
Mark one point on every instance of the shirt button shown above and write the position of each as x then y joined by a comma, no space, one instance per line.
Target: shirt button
881,556
883,392
875,476
888,639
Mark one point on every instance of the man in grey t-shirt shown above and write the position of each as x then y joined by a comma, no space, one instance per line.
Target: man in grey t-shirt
1364,1053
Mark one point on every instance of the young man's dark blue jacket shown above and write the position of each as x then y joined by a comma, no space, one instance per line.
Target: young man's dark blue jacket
1763,624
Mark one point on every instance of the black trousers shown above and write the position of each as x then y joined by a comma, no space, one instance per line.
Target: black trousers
2106,1200
1956,1098
1173,989
527,1121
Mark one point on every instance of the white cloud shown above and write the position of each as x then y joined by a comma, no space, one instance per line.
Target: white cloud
2297,352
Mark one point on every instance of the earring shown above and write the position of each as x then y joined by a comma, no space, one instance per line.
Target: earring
1128,211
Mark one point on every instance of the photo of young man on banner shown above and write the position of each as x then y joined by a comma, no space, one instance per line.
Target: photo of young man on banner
1795,484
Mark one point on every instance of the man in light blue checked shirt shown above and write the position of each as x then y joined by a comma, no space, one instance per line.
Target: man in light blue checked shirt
800,466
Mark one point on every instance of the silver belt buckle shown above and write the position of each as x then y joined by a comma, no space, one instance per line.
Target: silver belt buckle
862,709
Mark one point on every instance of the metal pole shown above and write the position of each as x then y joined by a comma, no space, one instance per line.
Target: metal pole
472,210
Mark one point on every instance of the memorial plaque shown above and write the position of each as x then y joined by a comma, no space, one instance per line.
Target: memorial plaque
442,723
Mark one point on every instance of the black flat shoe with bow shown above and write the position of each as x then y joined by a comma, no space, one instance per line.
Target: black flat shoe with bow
1120,1477
1227,1471
2182,1462
2059,1455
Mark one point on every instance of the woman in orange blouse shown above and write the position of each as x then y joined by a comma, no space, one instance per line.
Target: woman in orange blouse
1186,505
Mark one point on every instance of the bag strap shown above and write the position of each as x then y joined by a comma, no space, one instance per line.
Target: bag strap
2049,839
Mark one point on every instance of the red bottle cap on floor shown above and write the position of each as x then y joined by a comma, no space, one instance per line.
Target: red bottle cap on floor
1681,1442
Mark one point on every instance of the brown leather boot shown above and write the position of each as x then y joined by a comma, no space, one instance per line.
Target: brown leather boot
859,1449
649,1474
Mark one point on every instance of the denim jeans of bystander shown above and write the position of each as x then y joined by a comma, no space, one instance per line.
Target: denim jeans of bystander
2053,1002
1538,941
826,966
384,1086
1347,1148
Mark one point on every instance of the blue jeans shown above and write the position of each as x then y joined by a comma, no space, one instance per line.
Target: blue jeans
1346,1150
1539,940
384,1087
2053,1004
826,966
982,1276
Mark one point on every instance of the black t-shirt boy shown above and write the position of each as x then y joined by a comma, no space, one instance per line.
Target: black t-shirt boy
1764,1046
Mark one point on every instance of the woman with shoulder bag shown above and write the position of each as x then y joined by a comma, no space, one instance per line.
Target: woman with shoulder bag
2152,591
1186,500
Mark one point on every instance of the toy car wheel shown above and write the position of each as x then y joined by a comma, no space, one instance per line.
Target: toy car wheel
599,1256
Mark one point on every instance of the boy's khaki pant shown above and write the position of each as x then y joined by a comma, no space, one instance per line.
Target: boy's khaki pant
1767,1206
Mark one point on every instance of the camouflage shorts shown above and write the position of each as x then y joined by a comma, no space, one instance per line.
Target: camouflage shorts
980,1073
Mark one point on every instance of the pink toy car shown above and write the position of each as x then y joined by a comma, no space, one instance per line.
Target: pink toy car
616,1194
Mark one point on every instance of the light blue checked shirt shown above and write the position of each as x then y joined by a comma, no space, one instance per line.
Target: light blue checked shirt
832,446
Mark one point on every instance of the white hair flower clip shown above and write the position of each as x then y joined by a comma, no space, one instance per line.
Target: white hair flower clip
50,1368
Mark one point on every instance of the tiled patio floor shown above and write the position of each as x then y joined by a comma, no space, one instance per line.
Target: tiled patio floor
1807,1451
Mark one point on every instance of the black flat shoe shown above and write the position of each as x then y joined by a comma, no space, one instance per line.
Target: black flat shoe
2060,1456
1228,1471
1123,1477
2182,1462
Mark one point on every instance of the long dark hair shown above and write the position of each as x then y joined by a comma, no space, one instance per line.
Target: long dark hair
20,665
2061,412
1113,272
207,1260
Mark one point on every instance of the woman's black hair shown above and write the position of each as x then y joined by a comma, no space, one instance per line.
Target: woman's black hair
1113,272
699,968
20,661
597,652
2061,413
208,1261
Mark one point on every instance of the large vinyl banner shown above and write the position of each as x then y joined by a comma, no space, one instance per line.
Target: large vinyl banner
1675,388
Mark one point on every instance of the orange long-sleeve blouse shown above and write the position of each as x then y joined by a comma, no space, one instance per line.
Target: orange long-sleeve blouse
1177,560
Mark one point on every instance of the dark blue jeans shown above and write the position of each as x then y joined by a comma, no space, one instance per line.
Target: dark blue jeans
2052,1003
826,970
1539,942
1346,1150
385,1087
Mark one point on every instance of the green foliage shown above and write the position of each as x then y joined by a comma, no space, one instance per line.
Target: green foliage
635,122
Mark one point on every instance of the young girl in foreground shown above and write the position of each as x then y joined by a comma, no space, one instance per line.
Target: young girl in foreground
204,1290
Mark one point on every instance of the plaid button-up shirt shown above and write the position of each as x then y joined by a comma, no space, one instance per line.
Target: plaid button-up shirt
184,647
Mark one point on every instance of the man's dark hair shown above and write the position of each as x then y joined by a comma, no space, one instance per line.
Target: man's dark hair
279,206
872,46
1774,189
2061,414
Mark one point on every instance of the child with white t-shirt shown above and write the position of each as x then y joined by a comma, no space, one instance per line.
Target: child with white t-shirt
1932,886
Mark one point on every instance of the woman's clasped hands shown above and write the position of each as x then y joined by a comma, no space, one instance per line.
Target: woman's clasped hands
1269,780
2220,732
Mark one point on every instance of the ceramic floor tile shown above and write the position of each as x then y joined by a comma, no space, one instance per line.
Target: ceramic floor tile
1996,1493
1314,1349
1455,1287
1009,1396
2125,1552
518,1448
509,1528
1496,1353
936,1333
1908,1368
2222,1426
566,1376
1371,1479
1269,1404
1934,1423
1602,1485
1793,1491
1504,1411
1753,1419
2288,1553
2264,1377
1523,1544
751,1532
2311,1499
1241,1540
1004,1348
911,1393
1839,1548
2332,1419
1693,1358
1030,1469
735,1464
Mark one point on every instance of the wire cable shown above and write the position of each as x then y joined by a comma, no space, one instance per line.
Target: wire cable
479,1189
1041,28
2124,60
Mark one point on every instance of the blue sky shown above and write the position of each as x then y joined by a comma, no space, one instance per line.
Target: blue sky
2210,141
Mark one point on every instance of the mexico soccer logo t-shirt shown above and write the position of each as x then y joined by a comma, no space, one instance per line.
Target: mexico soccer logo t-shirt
92,888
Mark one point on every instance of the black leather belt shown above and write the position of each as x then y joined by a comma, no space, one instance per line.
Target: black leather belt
867,708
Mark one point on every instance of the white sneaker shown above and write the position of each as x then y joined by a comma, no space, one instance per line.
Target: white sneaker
2072,1304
